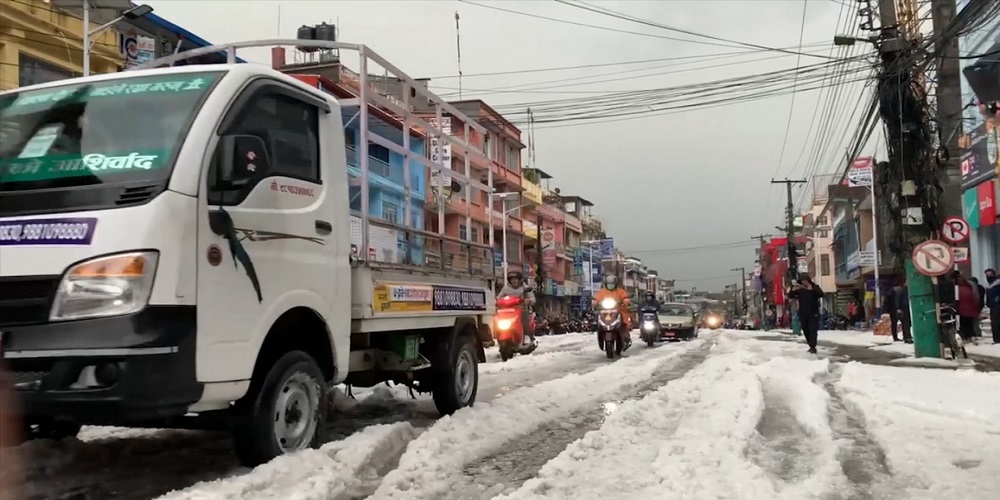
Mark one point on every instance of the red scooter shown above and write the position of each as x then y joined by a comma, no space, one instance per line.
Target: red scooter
507,328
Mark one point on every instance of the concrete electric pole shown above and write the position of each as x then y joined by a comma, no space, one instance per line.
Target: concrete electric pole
742,309
793,263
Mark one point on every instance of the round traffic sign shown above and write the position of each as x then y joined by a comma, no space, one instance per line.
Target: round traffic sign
933,258
955,230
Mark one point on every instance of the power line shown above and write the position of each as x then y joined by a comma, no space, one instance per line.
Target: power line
597,26
791,107
615,63
626,17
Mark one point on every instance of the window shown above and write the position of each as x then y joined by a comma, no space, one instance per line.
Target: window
52,130
349,136
32,71
379,152
462,232
390,212
821,221
475,235
822,234
511,158
290,131
824,265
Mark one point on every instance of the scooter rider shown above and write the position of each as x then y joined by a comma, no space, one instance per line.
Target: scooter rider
649,303
612,290
515,288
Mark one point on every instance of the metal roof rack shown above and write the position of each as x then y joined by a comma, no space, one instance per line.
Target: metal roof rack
398,103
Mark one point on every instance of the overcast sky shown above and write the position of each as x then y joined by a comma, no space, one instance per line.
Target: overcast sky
663,181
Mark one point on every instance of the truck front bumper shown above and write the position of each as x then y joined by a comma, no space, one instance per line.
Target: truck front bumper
106,371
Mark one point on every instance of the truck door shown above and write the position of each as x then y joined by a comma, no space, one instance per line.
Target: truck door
266,234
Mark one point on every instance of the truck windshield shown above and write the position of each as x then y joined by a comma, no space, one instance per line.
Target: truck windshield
126,129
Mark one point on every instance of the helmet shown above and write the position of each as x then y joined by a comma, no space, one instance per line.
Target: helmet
610,282
512,275
650,295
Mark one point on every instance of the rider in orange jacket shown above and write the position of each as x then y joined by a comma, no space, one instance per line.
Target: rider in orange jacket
612,290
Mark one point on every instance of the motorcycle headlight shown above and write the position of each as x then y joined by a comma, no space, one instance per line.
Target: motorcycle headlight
106,286
648,324
504,324
609,303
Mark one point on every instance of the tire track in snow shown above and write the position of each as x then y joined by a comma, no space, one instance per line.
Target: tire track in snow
861,458
140,464
432,466
522,459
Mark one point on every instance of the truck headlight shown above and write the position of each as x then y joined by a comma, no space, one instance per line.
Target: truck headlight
609,303
113,285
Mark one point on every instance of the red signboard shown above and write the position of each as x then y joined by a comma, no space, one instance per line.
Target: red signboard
986,195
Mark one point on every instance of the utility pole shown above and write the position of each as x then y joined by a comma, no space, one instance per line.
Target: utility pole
793,263
743,294
911,168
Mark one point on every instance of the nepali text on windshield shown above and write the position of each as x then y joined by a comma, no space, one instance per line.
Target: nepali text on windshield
91,133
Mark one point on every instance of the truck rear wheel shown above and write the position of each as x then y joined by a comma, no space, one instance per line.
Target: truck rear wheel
458,382
285,411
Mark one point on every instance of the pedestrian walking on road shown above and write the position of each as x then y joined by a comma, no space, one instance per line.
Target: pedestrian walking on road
809,296
968,307
889,307
982,304
902,308
993,302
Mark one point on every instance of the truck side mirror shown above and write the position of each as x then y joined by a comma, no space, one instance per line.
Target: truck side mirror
242,158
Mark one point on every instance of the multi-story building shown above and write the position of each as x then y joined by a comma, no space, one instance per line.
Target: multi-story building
576,208
979,140
42,40
503,145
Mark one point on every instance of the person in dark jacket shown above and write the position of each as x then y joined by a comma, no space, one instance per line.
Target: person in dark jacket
902,308
649,303
993,302
982,303
809,297
968,307
889,307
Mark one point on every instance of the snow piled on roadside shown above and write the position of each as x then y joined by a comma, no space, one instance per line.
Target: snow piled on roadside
689,440
340,470
938,428
431,462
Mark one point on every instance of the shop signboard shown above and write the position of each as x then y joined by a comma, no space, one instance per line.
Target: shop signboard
970,207
986,196
977,165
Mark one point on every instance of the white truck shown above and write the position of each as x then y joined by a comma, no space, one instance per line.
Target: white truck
176,248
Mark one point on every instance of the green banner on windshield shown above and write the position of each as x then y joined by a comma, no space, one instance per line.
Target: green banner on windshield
58,167
173,83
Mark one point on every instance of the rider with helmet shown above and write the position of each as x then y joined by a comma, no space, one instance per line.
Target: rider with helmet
612,290
649,303
515,288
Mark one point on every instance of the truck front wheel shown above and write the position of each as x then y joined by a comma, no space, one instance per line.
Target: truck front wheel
283,413
458,382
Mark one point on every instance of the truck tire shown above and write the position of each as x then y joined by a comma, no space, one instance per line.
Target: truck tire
283,413
458,382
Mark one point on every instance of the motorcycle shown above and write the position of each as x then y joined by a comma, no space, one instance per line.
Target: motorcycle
714,322
508,330
612,331
649,328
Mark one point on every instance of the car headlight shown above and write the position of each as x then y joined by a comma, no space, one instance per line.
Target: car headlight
609,303
106,286
504,324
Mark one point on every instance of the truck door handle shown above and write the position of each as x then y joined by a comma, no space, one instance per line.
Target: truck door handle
323,227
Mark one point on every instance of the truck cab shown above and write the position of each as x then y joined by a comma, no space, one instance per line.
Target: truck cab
176,247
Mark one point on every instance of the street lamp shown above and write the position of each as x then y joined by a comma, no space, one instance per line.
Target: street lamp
130,14
504,196
847,41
